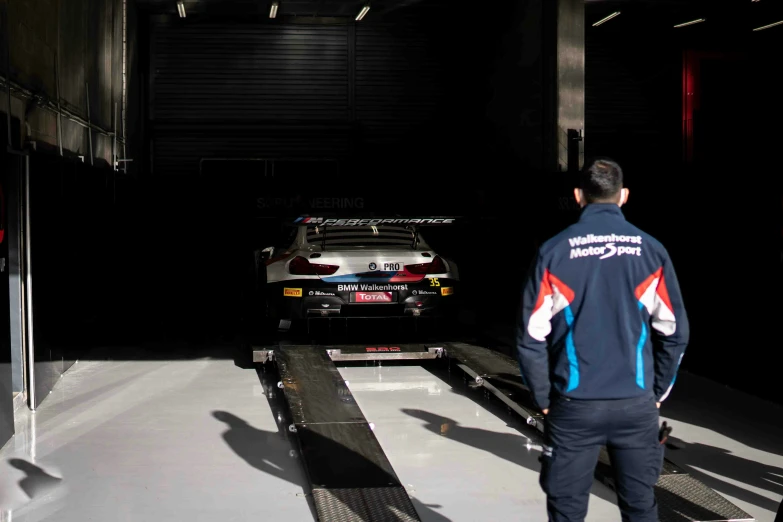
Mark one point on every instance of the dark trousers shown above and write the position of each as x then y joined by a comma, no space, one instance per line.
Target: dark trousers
779,517
575,432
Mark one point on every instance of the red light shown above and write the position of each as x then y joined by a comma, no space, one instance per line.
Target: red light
436,267
301,266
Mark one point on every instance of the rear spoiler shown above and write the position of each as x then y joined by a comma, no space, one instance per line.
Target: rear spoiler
311,221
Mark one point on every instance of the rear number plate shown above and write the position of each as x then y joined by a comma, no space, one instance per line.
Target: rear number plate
372,297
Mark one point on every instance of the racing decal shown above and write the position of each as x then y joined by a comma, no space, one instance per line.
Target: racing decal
378,276
370,288
374,349
434,281
351,222
321,294
446,290
609,247
292,292
373,297
423,292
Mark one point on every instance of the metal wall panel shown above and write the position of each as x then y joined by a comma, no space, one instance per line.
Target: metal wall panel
247,90
9,168
399,79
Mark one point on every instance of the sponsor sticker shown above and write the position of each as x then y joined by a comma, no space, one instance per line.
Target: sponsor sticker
292,292
383,349
374,297
371,288
446,290
321,293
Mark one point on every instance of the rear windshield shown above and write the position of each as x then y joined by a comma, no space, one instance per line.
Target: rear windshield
383,236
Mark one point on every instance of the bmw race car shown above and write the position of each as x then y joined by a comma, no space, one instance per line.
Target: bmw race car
339,268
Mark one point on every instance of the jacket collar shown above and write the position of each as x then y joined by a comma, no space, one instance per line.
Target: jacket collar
601,209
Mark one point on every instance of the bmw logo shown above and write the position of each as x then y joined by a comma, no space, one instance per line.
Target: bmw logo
373,266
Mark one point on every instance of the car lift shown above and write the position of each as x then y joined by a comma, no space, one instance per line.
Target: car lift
350,477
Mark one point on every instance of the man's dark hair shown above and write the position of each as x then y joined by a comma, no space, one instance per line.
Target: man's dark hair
601,181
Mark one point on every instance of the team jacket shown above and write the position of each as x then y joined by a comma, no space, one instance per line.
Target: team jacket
602,315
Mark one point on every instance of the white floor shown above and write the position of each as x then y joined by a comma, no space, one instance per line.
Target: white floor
153,441
197,440
457,459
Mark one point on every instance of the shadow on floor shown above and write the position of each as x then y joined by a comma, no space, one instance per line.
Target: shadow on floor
734,414
262,450
37,482
507,446
700,459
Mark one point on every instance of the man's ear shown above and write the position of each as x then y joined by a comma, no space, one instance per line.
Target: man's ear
579,196
624,193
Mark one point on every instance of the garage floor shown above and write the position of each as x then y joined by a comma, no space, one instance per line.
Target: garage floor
198,440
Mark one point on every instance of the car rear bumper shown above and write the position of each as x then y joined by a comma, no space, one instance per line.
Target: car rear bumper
312,298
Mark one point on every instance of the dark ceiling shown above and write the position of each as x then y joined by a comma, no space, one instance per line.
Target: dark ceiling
722,16
304,8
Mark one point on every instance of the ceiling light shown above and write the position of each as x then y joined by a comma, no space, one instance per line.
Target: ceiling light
362,13
602,20
181,9
273,10
690,23
768,26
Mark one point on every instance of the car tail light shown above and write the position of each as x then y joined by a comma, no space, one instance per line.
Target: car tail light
436,267
301,266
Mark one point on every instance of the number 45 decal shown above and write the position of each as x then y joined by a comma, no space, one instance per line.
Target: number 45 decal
434,281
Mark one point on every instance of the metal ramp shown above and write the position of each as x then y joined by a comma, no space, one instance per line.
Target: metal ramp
351,478
681,497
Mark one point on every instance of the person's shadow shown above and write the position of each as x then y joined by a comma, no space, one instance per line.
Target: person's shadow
263,449
37,482
704,462
508,446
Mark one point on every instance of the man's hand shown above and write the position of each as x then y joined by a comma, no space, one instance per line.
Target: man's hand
545,412
658,405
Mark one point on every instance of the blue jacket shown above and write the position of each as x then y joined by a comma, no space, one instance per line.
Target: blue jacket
602,315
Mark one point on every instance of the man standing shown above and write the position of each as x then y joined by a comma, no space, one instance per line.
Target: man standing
601,336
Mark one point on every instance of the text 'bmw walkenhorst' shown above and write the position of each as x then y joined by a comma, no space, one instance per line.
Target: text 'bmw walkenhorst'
359,268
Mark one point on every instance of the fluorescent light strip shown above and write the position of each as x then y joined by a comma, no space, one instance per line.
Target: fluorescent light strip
181,9
599,22
690,23
362,12
273,10
768,26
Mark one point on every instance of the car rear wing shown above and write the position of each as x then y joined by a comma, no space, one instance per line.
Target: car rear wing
313,221
325,223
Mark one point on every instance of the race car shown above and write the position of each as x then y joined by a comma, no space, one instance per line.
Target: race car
359,268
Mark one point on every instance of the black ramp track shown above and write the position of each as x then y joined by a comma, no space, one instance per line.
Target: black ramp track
351,478
681,497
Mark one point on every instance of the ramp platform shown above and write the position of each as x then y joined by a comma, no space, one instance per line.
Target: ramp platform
351,478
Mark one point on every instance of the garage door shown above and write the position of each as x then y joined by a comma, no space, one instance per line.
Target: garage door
253,90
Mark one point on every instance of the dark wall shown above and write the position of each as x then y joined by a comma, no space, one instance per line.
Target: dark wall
74,266
718,212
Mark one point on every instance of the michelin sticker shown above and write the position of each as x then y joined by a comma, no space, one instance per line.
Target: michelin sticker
585,246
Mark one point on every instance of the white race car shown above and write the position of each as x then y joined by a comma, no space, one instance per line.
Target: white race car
345,267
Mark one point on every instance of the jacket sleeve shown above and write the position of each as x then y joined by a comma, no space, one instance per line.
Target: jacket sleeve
533,328
670,330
